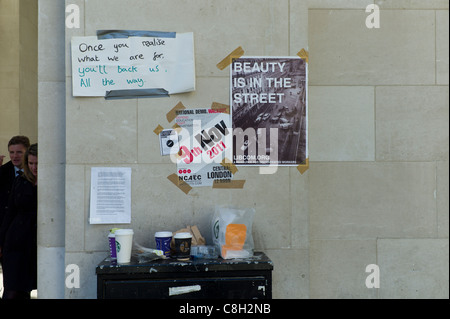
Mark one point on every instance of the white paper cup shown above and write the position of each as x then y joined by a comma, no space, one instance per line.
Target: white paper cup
124,243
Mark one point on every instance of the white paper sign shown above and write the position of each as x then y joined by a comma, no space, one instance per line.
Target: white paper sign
133,63
110,195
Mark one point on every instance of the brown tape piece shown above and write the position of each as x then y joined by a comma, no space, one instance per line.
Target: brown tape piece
158,129
177,128
185,188
302,168
237,184
173,112
237,53
222,108
303,54
229,165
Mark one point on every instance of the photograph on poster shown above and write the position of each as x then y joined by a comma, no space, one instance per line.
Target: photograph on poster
269,110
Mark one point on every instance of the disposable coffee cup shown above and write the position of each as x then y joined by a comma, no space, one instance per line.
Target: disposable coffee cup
112,246
163,239
124,243
183,246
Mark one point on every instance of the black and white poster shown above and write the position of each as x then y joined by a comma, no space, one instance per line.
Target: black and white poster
269,110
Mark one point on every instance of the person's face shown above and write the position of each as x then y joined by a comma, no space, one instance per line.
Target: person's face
33,164
16,153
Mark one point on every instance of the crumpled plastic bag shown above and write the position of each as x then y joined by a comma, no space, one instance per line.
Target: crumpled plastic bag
144,254
232,232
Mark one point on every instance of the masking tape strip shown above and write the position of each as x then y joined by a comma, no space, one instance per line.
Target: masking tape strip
303,54
158,129
238,184
229,166
237,53
134,93
175,291
173,112
222,108
185,188
176,127
123,34
302,168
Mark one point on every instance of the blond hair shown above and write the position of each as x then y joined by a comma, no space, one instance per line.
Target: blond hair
32,150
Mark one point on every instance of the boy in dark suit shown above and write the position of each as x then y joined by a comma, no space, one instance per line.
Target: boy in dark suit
17,147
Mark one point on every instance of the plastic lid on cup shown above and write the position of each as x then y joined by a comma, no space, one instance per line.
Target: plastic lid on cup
161,234
124,232
183,235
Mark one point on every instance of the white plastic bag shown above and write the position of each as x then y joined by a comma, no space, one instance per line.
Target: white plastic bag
232,232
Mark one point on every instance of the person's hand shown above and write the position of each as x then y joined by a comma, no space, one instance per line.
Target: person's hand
1,159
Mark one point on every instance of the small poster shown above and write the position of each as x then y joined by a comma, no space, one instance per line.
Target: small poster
205,142
110,195
269,110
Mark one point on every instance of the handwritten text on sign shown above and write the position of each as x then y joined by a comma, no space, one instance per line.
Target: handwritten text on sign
104,65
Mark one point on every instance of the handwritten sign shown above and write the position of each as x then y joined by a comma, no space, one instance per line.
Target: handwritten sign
134,63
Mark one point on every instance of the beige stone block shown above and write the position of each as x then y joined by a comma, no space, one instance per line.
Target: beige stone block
51,272
298,19
442,192
10,7
28,10
76,198
9,37
341,123
100,131
87,261
50,51
219,26
371,200
413,268
343,51
299,191
51,204
9,77
412,123
337,269
337,4
289,282
412,4
442,48
52,96
9,121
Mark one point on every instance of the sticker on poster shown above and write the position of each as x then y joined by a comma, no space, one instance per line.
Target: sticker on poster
169,142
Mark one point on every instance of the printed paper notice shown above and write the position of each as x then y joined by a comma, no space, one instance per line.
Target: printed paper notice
110,195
